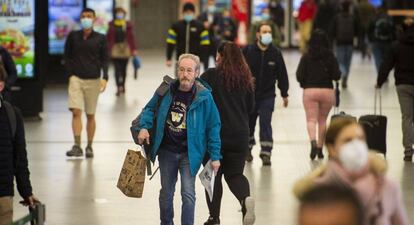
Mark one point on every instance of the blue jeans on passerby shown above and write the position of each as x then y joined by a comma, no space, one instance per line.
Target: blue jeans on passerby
170,164
264,110
344,55
379,50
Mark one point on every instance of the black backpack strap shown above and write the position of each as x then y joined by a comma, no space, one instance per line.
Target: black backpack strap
11,114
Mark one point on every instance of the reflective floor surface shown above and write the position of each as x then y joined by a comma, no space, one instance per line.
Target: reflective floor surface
83,192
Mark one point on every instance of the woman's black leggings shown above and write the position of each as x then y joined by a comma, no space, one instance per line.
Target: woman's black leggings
232,167
120,71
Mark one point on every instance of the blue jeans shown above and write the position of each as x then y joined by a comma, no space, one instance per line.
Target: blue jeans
170,164
379,50
344,55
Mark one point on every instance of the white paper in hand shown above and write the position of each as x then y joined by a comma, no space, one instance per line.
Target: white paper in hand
142,150
207,177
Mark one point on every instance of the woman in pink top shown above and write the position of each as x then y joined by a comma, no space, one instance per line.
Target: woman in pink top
351,165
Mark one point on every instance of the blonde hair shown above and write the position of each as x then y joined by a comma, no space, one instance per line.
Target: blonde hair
195,58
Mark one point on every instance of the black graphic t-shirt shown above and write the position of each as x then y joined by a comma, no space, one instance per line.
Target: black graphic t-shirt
175,138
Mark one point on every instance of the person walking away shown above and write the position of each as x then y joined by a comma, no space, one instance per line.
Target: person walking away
325,15
366,15
85,56
227,28
277,14
13,158
344,29
121,45
233,92
188,36
211,20
187,127
382,34
400,58
307,12
316,71
268,67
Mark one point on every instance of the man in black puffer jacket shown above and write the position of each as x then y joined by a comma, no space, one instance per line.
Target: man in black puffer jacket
401,58
13,159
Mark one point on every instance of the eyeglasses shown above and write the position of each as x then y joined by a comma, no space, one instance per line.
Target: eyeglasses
183,70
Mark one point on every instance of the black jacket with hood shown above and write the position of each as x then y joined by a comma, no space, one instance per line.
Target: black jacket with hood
401,58
13,156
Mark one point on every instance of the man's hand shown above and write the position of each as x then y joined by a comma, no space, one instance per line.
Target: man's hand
103,85
285,102
143,136
215,165
168,63
30,201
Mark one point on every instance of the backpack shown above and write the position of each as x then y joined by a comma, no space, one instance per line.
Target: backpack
161,91
384,29
11,115
345,28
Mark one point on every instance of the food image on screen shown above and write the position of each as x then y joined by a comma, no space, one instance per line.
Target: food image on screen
63,18
103,9
17,33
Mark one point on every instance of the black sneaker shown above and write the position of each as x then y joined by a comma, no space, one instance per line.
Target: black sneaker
249,156
76,151
320,153
249,216
408,155
212,221
266,159
408,158
89,152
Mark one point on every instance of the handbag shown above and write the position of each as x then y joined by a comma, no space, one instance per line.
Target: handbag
120,51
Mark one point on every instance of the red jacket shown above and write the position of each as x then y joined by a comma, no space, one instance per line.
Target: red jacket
307,10
129,36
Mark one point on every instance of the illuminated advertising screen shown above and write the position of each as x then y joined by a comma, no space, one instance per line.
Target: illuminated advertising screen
376,3
63,18
17,25
257,8
103,9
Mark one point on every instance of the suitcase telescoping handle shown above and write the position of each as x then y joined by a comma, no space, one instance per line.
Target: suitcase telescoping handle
378,98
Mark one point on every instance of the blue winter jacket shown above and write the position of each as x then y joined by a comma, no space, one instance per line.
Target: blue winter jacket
203,125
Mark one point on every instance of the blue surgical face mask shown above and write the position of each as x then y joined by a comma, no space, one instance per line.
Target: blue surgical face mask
266,39
265,16
188,17
120,16
86,23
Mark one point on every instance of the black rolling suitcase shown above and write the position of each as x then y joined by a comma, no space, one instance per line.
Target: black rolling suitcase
375,127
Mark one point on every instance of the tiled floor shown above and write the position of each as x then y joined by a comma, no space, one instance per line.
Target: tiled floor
83,192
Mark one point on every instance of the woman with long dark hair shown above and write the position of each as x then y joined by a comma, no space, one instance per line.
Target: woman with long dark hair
233,92
316,71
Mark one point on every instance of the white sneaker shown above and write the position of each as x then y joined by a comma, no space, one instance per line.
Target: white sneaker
250,216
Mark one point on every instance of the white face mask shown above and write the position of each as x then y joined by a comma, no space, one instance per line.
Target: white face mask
354,155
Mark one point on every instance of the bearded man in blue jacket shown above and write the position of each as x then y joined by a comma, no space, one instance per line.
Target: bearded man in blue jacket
187,127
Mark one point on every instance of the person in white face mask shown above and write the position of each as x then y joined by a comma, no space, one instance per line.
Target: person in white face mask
351,165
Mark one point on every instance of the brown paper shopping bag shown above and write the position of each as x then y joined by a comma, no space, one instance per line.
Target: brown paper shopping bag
132,177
